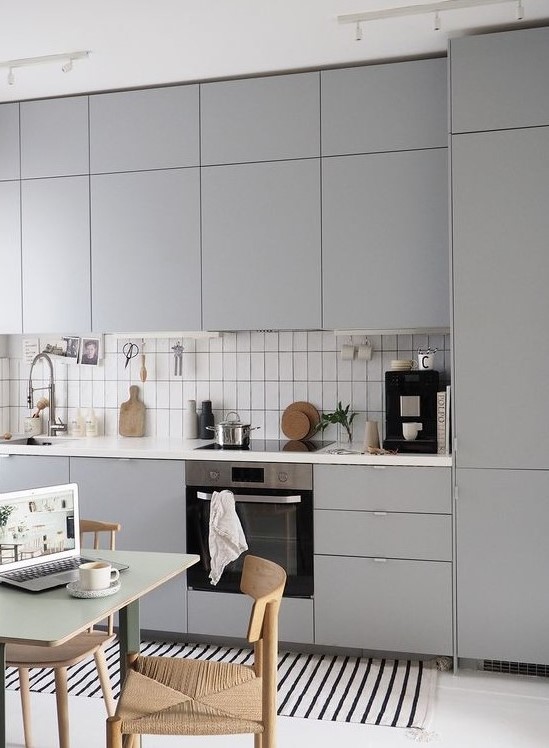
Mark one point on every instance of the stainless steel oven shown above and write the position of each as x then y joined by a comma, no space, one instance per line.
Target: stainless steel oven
274,502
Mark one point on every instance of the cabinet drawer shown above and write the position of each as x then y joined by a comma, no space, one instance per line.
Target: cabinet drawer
392,489
396,606
387,535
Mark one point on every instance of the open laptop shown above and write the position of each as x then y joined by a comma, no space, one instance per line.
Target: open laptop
40,538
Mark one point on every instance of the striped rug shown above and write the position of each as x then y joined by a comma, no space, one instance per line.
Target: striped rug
396,693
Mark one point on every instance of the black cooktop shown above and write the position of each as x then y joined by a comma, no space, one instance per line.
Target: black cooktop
273,445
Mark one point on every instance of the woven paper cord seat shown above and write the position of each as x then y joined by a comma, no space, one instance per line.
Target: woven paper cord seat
178,696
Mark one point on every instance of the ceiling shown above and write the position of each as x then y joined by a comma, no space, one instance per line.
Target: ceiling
138,43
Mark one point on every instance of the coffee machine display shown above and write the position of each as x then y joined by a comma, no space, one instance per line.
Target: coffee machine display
411,411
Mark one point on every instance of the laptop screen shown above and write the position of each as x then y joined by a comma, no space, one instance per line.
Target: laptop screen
37,525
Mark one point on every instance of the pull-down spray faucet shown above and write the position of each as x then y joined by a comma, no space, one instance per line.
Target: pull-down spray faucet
54,425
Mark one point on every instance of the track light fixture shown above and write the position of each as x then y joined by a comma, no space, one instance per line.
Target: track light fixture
358,32
67,59
413,10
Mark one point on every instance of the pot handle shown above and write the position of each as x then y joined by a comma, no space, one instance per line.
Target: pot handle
210,428
253,428
229,413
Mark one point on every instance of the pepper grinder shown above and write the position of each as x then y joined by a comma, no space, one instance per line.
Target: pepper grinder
190,421
206,419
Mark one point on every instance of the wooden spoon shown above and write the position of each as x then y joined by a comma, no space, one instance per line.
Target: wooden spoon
143,369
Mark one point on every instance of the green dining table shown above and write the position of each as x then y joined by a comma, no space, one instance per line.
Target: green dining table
51,618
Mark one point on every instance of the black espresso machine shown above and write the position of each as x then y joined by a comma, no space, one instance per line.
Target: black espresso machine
411,397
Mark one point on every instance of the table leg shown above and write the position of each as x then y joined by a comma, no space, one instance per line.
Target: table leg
3,696
129,634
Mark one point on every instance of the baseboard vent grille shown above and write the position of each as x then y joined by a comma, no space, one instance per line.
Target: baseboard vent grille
515,668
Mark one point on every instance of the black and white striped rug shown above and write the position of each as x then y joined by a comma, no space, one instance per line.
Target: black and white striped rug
396,693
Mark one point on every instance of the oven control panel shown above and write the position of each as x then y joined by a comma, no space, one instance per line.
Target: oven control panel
249,474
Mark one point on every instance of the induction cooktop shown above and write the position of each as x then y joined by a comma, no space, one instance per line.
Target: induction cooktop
273,445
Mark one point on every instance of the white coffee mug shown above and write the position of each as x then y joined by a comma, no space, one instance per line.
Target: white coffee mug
410,430
347,352
97,575
425,361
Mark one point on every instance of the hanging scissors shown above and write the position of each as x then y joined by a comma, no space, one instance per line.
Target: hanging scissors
130,350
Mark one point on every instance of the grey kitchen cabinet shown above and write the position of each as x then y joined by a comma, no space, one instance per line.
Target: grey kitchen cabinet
10,258
383,546
500,270
156,128
19,472
145,238
9,141
261,246
54,137
227,614
391,107
56,254
389,604
500,80
147,497
385,240
502,561
260,119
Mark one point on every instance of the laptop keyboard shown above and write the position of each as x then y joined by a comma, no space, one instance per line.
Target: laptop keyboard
44,570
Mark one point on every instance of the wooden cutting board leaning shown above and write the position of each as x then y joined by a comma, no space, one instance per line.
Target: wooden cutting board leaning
131,421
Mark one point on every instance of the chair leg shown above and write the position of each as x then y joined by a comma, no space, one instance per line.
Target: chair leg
102,671
62,698
114,736
258,742
24,687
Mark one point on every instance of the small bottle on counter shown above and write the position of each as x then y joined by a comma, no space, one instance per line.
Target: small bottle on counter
91,423
77,426
190,421
206,419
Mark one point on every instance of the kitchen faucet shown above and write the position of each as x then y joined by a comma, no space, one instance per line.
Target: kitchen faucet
54,425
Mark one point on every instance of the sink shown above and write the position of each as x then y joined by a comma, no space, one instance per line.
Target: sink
38,441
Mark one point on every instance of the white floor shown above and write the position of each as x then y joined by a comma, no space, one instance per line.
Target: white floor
472,710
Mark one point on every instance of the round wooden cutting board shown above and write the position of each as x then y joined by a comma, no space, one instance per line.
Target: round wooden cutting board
304,408
295,424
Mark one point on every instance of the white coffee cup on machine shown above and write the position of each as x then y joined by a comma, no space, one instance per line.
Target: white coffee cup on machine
411,430
97,575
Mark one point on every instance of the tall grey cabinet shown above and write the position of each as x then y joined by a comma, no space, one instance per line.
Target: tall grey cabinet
500,187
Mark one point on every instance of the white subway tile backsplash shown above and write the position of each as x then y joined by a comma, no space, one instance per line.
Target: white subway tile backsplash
256,373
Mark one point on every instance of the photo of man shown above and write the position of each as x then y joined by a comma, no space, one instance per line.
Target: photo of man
89,351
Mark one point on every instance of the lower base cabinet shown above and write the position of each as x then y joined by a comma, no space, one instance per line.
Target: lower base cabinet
225,614
147,497
18,472
384,604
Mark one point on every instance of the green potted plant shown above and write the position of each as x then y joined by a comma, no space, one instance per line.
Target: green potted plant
341,417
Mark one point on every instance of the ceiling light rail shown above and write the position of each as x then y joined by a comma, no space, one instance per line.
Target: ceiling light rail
66,59
414,10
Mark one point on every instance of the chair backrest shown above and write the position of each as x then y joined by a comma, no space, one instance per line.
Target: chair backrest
96,527
99,529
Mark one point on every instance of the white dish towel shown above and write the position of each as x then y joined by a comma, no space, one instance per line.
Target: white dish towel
226,538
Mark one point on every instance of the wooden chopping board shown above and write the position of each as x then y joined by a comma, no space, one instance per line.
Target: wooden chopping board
305,408
132,415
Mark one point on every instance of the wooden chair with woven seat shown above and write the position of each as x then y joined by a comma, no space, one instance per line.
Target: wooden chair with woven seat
89,643
180,696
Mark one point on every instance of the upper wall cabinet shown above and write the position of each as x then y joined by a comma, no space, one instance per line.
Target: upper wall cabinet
260,119
500,81
391,107
9,141
54,137
56,254
152,129
261,246
385,240
146,250
10,258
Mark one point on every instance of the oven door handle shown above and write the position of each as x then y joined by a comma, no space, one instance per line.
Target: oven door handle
255,498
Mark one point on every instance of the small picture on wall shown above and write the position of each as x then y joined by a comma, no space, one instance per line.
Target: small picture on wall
89,351
72,346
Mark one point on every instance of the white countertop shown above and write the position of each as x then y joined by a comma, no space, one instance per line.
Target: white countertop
185,449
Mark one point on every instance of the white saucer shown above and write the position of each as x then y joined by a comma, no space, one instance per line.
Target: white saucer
74,589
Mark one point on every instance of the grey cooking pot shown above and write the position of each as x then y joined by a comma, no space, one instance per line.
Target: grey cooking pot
232,433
